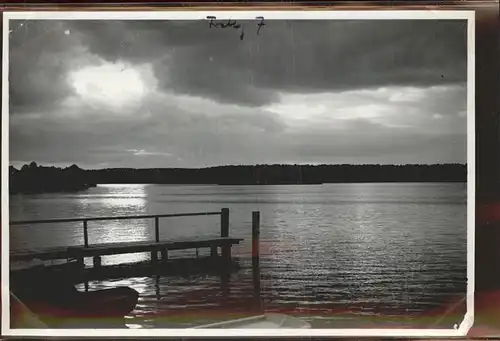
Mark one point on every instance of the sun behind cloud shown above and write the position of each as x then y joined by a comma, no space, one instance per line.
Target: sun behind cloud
113,85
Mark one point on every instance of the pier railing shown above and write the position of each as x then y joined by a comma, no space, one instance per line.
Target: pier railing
223,213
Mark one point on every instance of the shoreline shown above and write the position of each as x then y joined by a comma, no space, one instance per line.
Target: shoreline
35,179
68,191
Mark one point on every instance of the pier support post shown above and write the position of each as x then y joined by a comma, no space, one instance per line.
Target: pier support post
154,256
226,252
97,262
164,255
255,235
256,260
224,232
224,222
157,229
213,251
85,234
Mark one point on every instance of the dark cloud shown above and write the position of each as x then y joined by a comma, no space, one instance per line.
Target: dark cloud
40,54
215,94
192,59
310,56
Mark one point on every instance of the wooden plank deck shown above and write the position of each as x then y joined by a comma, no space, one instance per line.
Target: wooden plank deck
97,250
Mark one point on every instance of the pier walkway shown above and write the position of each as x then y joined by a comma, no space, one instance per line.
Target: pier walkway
224,242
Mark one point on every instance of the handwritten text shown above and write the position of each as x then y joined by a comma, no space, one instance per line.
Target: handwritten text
213,23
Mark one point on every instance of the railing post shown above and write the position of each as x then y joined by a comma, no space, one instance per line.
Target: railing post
85,234
157,229
224,222
224,232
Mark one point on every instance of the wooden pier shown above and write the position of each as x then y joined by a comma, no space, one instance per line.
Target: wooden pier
96,251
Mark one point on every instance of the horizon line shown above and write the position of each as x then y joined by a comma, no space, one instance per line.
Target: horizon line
252,165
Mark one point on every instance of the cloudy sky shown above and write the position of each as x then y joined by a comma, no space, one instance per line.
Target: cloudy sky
178,94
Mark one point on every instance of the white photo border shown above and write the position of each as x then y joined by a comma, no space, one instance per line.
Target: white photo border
468,15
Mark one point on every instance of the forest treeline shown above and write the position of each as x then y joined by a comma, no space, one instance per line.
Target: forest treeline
38,179
33,178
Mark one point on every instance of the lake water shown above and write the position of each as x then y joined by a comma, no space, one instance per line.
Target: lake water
327,251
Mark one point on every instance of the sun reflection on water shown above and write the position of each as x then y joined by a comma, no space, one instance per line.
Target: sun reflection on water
119,200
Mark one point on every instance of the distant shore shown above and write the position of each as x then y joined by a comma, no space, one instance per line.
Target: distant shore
33,178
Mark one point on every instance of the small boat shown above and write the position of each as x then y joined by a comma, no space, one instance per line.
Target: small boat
108,303
53,297
265,321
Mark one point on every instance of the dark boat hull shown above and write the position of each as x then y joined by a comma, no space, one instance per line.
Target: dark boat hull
108,303
53,297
